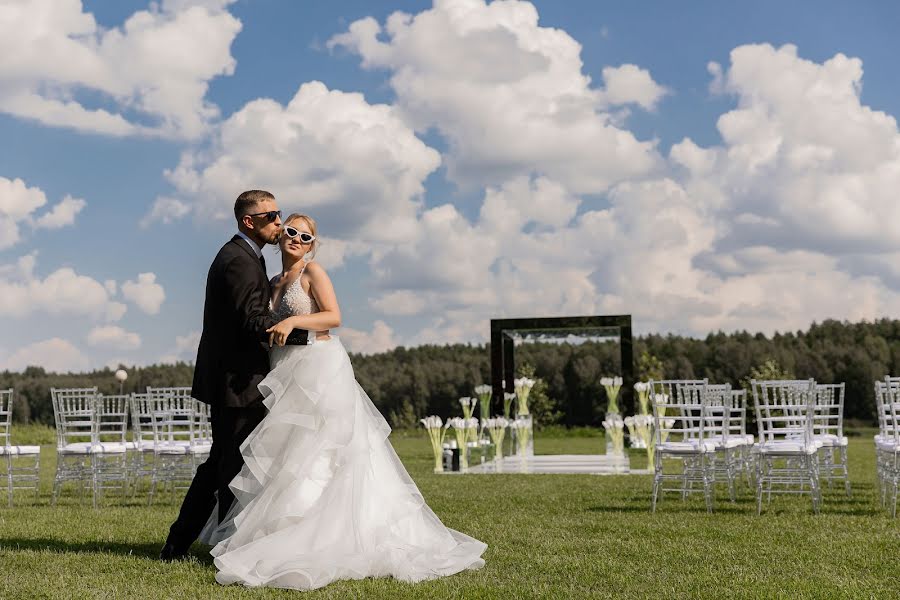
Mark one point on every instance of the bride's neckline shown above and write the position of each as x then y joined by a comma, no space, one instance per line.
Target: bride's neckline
288,287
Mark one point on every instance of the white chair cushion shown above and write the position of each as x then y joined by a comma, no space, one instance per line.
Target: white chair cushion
176,448
111,448
20,450
76,448
170,449
886,444
831,441
785,447
88,448
730,443
688,447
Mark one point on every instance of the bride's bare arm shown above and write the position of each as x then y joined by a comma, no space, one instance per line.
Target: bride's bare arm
329,315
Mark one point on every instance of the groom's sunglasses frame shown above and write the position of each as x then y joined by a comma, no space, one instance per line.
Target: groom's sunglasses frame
292,232
270,215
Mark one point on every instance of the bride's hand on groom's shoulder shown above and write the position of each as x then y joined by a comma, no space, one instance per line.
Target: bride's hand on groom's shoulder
279,332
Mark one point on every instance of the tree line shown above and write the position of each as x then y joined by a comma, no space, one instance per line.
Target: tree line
409,383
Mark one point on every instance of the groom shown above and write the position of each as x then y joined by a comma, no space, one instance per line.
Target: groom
231,360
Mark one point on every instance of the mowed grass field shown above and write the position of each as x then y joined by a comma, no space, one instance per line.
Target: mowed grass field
548,536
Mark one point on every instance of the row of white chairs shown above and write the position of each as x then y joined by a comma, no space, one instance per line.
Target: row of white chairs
702,428
170,436
887,442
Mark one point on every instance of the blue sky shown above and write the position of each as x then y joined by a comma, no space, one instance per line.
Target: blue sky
589,162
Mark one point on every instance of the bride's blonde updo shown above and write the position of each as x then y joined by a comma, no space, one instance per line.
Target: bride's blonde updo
311,223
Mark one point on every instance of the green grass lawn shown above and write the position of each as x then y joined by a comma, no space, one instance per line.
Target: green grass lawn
552,536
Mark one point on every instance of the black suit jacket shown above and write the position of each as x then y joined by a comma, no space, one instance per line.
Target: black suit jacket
233,355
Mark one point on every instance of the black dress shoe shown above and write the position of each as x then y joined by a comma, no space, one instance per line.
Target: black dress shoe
170,553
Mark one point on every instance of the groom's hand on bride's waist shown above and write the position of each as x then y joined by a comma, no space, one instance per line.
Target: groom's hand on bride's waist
282,334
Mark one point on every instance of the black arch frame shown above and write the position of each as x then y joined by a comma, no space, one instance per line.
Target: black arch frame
503,347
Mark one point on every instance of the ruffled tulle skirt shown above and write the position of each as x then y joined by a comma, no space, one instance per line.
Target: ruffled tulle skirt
322,495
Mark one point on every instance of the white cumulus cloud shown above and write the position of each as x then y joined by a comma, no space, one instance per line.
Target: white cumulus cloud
801,154
152,72
327,153
145,293
62,292
510,96
185,348
630,84
62,214
379,339
18,204
112,336
54,355
166,210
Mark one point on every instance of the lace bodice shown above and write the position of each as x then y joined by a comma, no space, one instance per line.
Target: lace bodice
294,301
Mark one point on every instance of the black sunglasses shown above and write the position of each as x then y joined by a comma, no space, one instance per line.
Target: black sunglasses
270,215
293,232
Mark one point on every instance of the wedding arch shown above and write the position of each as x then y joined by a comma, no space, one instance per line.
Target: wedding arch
505,333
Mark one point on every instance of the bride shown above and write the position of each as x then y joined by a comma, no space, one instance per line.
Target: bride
322,495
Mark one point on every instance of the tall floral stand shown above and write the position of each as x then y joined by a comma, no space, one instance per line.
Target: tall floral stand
524,436
614,425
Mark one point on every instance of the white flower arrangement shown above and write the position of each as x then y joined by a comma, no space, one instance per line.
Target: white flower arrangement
632,435
497,429
612,385
523,434
468,406
461,429
615,429
643,425
472,429
468,409
436,433
660,400
508,398
523,387
484,392
643,391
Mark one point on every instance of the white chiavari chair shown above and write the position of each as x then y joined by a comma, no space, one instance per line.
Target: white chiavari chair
111,460
786,454
723,433
141,463
679,415
738,427
202,410
179,438
76,427
887,442
828,430
23,463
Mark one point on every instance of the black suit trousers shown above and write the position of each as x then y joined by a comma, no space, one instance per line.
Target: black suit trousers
230,427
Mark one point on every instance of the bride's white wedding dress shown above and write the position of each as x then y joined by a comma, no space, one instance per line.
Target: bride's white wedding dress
322,495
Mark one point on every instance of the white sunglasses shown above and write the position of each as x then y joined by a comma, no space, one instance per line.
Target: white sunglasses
292,232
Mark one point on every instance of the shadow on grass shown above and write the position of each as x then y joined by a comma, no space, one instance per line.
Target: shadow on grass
199,553
673,508
834,504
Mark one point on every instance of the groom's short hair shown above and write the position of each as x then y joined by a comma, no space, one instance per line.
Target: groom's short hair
249,199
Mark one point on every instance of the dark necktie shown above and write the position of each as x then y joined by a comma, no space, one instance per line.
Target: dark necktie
262,261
